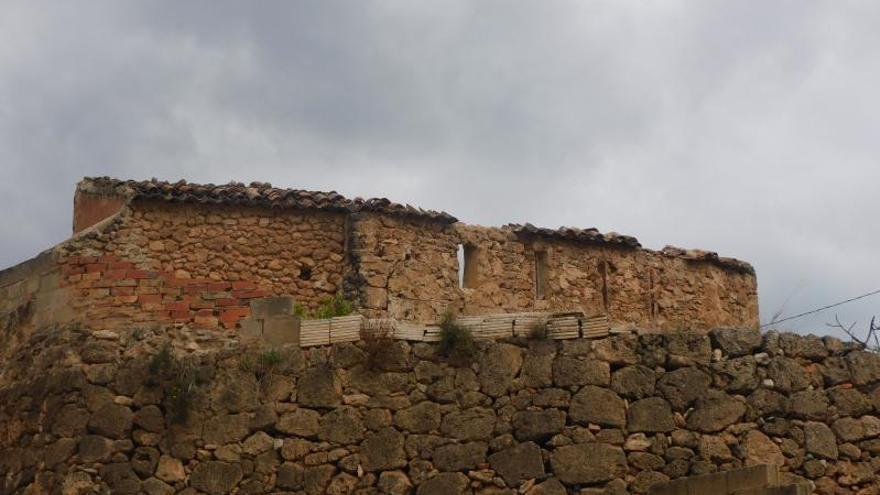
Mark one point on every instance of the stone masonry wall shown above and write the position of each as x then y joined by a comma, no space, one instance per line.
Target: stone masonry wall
410,271
200,265
161,411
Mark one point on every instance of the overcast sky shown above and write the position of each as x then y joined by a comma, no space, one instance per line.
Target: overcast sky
749,128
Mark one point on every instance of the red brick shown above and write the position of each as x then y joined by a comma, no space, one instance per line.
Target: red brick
234,314
142,289
91,276
108,258
243,284
102,283
115,274
205,312
140,274
126,299
201,304
219,286
178,315
150,298
96,267
120,265
128,282
74,278
122,291
85,260
177,282
229,301
177,306
72,269
194,289
248,294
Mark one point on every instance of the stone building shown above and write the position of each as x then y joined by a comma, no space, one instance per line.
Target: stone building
180,252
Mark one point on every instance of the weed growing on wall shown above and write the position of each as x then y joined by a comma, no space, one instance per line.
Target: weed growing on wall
376,343
334,306
539,330
329,307
456,342
180,380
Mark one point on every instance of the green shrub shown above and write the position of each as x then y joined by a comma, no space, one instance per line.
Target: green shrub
180,379
332,307
456,342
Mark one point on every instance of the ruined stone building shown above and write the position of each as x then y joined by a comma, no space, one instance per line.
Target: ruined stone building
129,363
156,251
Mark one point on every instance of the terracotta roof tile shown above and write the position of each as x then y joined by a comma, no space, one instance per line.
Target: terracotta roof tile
254,194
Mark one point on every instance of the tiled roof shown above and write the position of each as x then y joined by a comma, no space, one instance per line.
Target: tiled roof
255,194
593,236
574,234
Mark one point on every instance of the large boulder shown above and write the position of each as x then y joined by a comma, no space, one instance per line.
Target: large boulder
820,440
787,374
537,367
112,421
634,382
444,484
736,341
519,463
471,424
569,371
319,387
300,422
499,365
459,456
598,405
420,418
342,425
383,450
864,366
538,425
651,415
683,386
715,412
588,463
216,477
687,349
759,449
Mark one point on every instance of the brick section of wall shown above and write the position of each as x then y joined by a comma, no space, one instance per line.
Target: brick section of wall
111,292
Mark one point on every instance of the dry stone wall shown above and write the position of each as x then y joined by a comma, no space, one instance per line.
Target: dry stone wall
409,269
147,410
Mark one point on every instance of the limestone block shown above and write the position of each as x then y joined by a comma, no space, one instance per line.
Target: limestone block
268,307
281,330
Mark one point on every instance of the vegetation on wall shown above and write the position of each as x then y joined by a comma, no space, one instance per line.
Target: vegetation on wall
180,379
329,307
456,341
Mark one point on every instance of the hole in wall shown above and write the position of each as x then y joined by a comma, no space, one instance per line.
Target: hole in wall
540,274
305,273
468,275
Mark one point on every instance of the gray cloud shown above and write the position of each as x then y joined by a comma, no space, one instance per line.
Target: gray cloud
745,127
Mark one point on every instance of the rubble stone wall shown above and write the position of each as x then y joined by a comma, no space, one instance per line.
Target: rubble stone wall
198,264
410,270
192,411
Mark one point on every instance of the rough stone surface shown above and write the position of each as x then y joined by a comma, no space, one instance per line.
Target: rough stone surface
538,425
736,341
715,412
383,450
598,405
216,477
606,463
651,415
519,463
